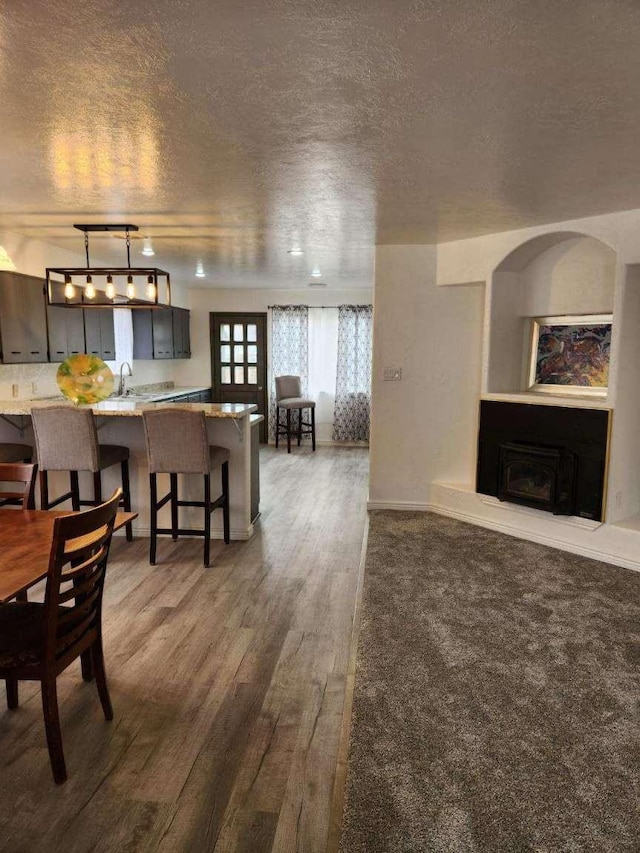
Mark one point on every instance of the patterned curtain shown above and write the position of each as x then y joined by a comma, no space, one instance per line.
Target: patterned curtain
353,380
289,350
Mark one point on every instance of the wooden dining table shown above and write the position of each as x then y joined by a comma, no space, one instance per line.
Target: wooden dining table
25,542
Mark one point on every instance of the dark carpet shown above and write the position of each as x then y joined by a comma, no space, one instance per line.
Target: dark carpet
496,698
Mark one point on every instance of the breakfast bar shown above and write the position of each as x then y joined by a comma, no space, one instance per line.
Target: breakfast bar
119,421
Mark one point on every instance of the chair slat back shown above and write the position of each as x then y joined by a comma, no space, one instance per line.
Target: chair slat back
21,474
75,580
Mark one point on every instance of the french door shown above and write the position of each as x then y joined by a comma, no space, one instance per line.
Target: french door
239,360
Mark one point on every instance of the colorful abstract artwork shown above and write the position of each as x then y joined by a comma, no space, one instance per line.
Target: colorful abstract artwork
571,354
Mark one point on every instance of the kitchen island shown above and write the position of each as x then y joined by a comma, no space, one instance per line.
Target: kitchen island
119,421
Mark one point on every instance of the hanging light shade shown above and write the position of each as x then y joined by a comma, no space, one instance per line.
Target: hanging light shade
93,296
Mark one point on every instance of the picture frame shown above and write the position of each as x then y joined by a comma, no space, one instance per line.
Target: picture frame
570,354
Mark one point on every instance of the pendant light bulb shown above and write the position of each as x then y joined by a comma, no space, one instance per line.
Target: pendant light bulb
147,248
69,289
131,288
110,289
90,291
151,288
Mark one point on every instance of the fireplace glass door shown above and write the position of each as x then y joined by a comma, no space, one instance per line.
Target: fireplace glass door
530,481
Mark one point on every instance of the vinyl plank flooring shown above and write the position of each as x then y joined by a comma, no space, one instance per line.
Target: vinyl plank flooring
228,686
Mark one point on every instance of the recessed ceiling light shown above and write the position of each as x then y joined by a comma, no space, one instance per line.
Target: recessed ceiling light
147,249
296,252
315,272
200,273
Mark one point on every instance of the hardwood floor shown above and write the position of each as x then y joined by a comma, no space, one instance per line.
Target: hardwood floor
227,684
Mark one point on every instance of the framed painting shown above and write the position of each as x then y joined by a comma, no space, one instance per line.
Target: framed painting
570,354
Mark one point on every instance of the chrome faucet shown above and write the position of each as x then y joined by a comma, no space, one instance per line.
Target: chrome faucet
122,376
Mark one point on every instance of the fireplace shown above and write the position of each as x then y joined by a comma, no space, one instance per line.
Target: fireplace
551,458
538,476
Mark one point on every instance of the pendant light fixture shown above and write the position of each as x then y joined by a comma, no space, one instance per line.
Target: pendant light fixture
99,298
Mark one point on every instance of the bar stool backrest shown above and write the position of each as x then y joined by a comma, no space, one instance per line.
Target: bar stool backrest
66,438
288,386
177,441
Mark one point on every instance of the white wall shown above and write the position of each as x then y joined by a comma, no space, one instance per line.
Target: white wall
424,426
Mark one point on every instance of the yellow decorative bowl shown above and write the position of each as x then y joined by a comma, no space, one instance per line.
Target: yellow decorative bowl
84,378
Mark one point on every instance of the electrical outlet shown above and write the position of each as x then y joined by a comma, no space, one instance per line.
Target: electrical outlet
15,390
34,387
392,374
618,500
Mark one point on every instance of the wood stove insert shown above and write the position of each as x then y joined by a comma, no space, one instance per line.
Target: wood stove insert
551,458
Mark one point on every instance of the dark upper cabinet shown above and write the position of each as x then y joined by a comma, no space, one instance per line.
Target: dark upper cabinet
181,333
66,328
99,332
161,333
162,321
23,319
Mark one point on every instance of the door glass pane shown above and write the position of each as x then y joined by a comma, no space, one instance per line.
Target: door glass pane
252,332
225,332
252,375
252,354
225,353
238,353
238,332
225,375
238,375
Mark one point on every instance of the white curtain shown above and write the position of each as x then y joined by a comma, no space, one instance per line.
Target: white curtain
323,360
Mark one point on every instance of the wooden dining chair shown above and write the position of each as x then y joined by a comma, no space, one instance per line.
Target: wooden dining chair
39,640
20,473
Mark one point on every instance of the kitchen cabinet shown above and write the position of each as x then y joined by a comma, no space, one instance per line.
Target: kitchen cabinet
65,327
181,333
161,333
99,332
23,319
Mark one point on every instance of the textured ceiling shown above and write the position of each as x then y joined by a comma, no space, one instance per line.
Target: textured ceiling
233,130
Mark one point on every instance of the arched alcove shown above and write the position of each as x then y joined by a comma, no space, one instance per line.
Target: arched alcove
561,273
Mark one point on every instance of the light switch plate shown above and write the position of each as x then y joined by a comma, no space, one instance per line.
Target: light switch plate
392,374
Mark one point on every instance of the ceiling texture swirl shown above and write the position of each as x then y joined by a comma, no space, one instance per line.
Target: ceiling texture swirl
232,132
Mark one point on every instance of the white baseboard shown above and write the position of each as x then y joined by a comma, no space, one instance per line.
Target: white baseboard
237,534
405,506
594,553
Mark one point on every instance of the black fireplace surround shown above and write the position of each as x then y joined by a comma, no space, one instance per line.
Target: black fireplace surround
547,457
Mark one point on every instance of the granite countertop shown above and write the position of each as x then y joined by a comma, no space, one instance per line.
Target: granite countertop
133,408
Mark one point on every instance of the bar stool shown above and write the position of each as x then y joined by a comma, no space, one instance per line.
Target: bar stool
177,443
67,440
15,452
288,397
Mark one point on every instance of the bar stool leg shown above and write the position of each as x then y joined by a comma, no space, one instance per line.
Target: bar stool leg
126,496
97,488
153,515
277,424
313,427
225,505
75,491
299,426
288,430
207,519
174,506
